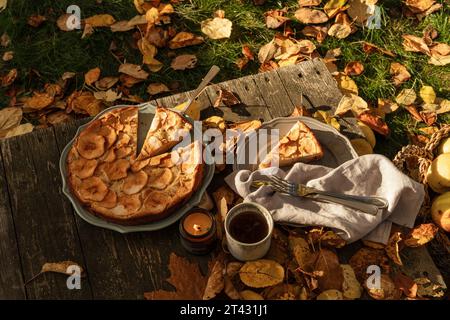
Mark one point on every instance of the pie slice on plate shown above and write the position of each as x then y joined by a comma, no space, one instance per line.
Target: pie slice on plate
298,145
104,176
168,128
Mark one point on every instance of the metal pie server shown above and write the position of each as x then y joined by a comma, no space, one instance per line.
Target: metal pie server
145,117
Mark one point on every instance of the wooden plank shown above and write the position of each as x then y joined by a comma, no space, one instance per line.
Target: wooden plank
274,94
11,280
253,105
123,266
312,80
44,222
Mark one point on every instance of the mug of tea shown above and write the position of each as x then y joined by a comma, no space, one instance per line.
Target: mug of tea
248,229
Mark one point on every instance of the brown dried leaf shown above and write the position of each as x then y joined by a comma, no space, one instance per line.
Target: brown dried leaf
418,6
8,56
354,68
9,78
133,70
108,96
421,235
435,7
275,18
84,103
429,117
332,7
250,295
300,250
371,48
386,106
39,101
351,288
413,111
36,20
309,3
60,267
157,88
183,62
318,32
405,284
147,49
100,20
267,52
5,40
216,281
399,73
360,10
217,28
92,75
406,97
426,288
374,122
324,238
184,39
339,31
306,15
227,98
129,81
106,83
61,22
247,52
327,264
57,117
393,248
9,118
187,279
387,290
415,44
365,257
261,273
353,103
282,291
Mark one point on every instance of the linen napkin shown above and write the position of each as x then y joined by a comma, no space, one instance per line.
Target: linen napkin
369,175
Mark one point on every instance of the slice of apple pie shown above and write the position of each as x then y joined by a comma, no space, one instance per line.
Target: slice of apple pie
298,145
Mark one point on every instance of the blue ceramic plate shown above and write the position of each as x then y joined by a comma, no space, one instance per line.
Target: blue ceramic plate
96,221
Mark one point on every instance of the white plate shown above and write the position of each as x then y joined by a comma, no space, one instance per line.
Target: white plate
337,148
163,223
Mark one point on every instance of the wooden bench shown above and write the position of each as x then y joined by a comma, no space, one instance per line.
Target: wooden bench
39,225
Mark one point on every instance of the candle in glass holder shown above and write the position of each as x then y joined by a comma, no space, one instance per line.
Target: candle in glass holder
198,231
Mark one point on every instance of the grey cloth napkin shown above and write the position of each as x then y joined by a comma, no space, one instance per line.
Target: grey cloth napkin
369,175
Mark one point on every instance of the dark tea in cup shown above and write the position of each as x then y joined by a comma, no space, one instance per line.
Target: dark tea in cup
249,227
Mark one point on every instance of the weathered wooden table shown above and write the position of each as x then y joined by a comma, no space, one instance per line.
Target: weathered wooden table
39,225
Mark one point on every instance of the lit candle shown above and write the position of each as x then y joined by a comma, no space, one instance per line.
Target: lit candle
197,223
198,231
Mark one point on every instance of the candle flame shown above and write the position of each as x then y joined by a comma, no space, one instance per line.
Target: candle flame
197,227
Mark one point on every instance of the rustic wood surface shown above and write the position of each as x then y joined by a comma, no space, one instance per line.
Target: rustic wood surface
38,223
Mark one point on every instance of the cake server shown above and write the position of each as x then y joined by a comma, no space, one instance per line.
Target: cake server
145,117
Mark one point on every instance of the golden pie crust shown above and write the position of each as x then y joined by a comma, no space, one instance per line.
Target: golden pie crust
114,183
298,145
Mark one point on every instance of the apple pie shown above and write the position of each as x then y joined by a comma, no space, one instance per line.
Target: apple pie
106,177
298,145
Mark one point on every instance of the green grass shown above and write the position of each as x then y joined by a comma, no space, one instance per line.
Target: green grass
52,52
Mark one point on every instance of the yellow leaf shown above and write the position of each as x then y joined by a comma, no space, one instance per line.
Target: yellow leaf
147,49
261,273
325,117
21,129
427,94
339,31
217,28
194,110
444,107
152,16
352,103
3,4
100,20
346,84
406,97
361,146
333,6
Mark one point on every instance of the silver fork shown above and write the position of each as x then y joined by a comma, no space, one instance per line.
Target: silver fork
370,205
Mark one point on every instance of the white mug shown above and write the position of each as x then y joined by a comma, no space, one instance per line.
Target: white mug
248,251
